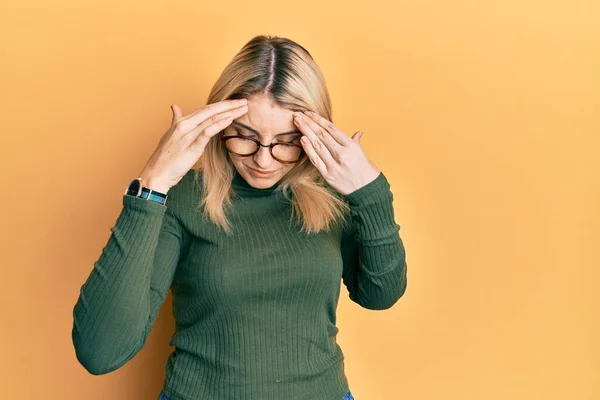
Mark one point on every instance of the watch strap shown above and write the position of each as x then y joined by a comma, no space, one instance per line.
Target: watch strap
136,189
153,195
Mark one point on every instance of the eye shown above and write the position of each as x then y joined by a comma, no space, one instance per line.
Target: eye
284,141
294,140
237,131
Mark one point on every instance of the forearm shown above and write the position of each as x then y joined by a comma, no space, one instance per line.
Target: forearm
375,269
112,314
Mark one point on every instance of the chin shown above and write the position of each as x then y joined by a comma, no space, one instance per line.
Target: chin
263,182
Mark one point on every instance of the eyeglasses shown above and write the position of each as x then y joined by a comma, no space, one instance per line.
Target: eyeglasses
243,146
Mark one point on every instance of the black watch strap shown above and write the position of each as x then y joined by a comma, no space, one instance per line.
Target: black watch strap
136,189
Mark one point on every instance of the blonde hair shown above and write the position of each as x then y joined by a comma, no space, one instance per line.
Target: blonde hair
286,72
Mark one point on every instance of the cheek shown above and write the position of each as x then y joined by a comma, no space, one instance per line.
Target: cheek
287,168
237,163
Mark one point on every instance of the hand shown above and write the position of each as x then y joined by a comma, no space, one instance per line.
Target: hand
340,160
183,144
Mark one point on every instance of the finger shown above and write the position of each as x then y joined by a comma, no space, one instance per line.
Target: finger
330,143
195,130
357,136
198,117
176,113
316,144
336,133
201,130
312,155
203,136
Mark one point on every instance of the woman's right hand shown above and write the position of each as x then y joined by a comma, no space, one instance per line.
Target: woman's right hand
183,144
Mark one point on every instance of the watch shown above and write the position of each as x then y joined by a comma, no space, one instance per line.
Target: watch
136,189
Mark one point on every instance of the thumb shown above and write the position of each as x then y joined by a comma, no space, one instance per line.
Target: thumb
357,136
176,113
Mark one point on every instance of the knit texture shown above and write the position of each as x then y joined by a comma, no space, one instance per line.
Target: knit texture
255,311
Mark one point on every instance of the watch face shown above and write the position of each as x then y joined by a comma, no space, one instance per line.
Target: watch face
134,187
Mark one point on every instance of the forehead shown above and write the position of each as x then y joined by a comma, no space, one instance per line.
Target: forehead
267,117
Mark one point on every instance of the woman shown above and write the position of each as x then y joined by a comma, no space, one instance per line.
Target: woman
254,260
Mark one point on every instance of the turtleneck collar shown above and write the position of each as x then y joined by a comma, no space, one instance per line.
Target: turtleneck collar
243,188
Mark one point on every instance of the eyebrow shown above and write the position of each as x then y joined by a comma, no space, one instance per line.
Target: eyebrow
257,132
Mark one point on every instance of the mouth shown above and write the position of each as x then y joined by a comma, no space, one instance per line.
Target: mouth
260,174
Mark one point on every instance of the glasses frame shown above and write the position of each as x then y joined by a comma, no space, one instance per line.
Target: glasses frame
270,146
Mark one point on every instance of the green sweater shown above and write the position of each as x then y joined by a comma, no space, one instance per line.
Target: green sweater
255,311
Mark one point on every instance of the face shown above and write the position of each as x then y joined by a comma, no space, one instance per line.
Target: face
270,121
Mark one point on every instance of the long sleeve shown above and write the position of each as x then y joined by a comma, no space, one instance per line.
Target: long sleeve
374,259
129,282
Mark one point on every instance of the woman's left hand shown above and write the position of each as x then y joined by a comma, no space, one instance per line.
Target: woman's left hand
341,160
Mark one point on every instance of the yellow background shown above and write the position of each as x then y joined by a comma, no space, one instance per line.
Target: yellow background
482,114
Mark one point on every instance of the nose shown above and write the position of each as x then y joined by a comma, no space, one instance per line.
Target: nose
263,157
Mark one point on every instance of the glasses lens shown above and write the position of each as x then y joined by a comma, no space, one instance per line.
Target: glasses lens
287,152
241,146
282,151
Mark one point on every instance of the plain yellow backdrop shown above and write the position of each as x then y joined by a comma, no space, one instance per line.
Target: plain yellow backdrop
484,116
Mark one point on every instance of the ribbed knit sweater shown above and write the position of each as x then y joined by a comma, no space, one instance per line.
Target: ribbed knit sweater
255,311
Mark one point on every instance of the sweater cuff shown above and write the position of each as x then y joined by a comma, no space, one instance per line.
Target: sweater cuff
372,212
145,206
373,192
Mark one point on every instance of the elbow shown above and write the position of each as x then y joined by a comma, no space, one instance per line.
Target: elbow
102,358
94,363
386,299
383,303
392,300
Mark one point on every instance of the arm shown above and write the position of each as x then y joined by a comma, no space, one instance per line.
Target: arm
121,298
374,259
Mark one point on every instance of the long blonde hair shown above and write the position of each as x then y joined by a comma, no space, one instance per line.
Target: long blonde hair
285,71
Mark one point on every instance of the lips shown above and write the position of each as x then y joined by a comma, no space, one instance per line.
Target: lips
261,172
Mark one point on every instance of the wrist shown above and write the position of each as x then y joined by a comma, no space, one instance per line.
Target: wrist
152,182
